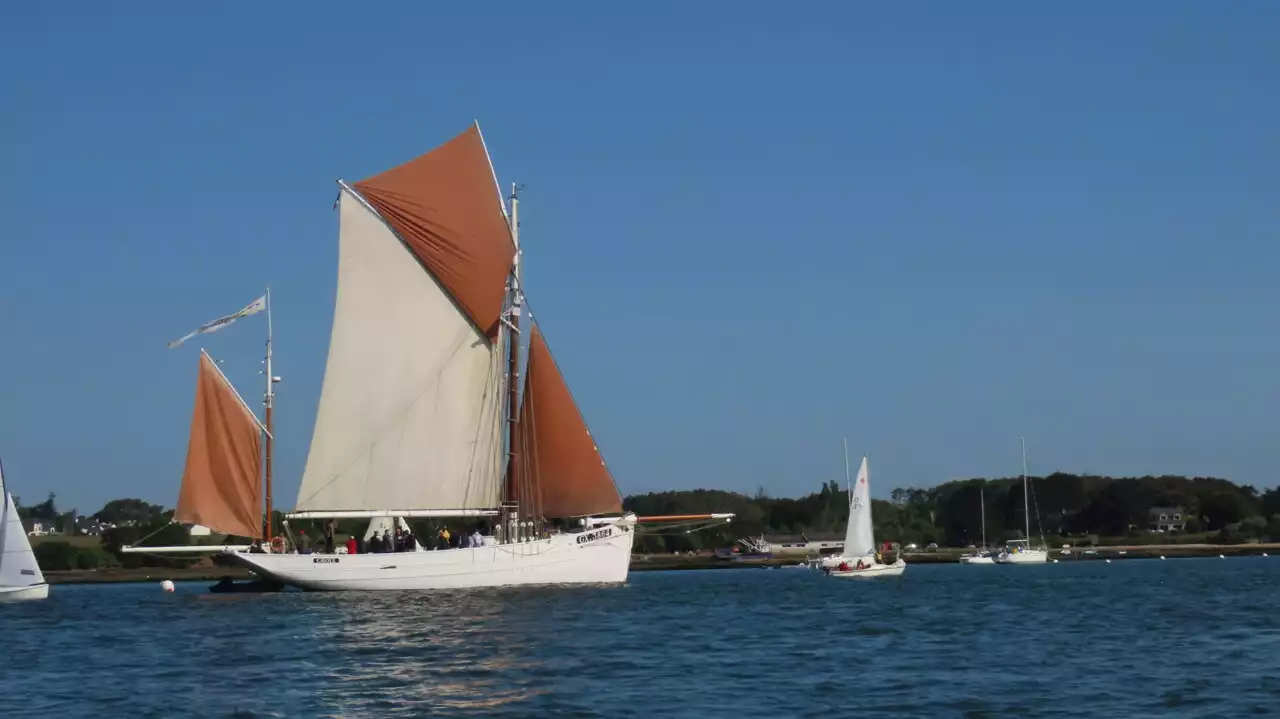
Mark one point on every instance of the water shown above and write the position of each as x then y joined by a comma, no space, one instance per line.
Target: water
1179,638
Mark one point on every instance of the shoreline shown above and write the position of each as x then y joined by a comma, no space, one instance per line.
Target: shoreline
665,562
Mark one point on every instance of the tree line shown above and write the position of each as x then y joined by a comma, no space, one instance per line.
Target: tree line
1065,508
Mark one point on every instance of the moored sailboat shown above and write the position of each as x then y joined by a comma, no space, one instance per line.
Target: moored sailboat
20,575
1020,551
982,555
859,557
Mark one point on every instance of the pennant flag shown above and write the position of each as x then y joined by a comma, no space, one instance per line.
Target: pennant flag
254,308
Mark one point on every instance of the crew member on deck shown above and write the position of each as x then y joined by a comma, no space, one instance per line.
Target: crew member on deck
328,536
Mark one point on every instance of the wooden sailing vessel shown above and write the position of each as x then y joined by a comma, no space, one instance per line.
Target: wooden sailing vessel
424,411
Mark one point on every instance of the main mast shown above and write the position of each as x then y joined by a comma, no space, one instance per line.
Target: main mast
268,403
513,362
1026,502
982,501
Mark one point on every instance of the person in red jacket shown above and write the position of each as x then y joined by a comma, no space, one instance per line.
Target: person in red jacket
351,545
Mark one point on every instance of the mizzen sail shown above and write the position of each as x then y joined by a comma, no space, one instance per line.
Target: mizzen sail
222,482
410,413
554,449
858,539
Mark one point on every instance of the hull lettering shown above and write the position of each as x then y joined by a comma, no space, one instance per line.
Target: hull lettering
596,535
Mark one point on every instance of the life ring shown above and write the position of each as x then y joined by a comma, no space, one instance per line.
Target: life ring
277,545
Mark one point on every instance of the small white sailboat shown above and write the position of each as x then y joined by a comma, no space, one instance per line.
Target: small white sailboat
859,557
1020,551
20,575
983,555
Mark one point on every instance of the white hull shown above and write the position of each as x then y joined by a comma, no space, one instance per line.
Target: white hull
875,570
599,556
977,560
19,594
1026,556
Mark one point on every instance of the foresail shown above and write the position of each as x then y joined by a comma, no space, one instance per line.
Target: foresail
554,448
222,481
410,409
18,566
858,540
446,207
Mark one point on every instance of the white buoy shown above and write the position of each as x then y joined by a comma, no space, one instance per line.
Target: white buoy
1264,554
1108,561
166,585
1222,556
1162,556
1055,561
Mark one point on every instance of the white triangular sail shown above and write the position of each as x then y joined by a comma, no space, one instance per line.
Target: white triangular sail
410,413
18,566
858,539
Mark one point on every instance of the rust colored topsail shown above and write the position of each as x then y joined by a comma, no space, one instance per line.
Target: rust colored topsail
555,445
222,482
445,205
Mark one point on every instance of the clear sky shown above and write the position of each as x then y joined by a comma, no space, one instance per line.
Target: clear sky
751,228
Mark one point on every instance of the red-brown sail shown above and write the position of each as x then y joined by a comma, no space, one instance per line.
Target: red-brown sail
446,207
554,448
222,482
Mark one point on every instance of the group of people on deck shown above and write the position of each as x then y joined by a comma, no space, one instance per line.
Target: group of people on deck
386,542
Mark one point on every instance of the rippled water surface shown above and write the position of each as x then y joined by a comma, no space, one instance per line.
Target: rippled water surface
1193,638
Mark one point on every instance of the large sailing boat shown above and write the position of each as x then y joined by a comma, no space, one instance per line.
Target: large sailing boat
20,575
1020,551
424,412
859,557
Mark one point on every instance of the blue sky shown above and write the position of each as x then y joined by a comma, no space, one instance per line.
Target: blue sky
749,231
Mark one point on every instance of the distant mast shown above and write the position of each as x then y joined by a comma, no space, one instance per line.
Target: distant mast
1026,502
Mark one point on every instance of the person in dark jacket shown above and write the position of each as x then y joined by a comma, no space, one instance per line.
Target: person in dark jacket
329,529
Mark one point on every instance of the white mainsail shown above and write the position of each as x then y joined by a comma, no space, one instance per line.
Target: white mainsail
18,567
858,539
410,412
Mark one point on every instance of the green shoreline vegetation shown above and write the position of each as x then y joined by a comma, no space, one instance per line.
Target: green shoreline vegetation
1219,516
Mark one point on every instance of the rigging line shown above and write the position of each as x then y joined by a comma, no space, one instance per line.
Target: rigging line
157,531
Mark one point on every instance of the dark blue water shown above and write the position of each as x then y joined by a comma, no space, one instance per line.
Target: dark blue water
1179,638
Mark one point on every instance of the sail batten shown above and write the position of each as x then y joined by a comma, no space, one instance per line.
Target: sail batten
555,448
222,480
